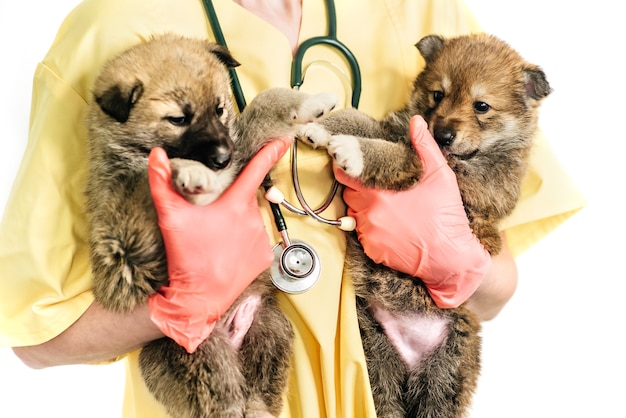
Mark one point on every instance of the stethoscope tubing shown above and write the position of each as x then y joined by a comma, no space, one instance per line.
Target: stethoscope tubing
296,66
240,98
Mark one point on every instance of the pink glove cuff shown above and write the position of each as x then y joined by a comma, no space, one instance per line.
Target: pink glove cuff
462,281
188,331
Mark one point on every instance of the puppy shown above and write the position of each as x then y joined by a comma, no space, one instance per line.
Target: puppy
174,92
480,100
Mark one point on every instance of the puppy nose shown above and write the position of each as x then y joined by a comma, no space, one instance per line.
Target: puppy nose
444,136
220,158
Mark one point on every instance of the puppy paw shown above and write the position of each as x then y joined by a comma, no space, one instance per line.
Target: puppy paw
315,106
346,151
314,135
197,183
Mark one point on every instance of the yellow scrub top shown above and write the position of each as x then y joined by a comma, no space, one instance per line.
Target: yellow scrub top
44,267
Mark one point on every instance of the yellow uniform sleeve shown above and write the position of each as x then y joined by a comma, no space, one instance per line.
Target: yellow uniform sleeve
44,267
44,271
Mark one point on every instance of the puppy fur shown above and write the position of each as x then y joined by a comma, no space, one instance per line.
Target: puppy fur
174,92
480,100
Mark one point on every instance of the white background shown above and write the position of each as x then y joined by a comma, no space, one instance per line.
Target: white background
555,349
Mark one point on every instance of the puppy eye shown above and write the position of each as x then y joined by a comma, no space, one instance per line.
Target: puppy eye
481,107
437,96
179,120
219,110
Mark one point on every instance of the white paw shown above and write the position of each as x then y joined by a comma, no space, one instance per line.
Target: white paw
197,183
346,150
316,106
313,134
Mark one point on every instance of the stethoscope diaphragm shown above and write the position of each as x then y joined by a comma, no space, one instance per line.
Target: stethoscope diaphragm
296,268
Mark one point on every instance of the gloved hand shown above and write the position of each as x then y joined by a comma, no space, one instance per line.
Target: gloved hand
423,231
213,252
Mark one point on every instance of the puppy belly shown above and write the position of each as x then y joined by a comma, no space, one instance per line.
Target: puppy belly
413,335
238,319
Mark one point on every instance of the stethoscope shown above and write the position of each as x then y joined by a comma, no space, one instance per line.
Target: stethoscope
297,267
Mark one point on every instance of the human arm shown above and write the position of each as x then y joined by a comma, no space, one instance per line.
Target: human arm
497,287
98,335
101,335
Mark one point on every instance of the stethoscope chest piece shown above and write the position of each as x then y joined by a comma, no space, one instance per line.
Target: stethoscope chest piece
296,267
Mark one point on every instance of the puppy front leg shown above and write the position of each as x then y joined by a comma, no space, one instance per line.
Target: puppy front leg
375,162
126,249
385,165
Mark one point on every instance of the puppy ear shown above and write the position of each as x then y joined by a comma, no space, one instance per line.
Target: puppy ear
118,100
536,84
429,45
223,55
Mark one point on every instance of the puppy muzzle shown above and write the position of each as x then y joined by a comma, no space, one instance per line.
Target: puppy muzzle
214,151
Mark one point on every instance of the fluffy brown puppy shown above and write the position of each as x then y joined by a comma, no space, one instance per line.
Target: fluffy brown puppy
174,92
480,99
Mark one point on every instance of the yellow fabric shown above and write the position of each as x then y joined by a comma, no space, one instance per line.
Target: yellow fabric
44,270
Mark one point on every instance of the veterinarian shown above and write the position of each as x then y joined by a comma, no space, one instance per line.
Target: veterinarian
46,308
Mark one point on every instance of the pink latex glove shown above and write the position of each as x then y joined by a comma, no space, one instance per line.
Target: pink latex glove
423,231
213,252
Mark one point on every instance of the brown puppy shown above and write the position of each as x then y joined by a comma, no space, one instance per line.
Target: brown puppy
480,100
174,92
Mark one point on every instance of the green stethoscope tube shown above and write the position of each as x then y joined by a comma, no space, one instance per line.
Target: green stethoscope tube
219,38
331,40
296,66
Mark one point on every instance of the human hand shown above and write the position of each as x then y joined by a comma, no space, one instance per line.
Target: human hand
423,231
213,252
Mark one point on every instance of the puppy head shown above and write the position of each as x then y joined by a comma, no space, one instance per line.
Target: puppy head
477,93
172,92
